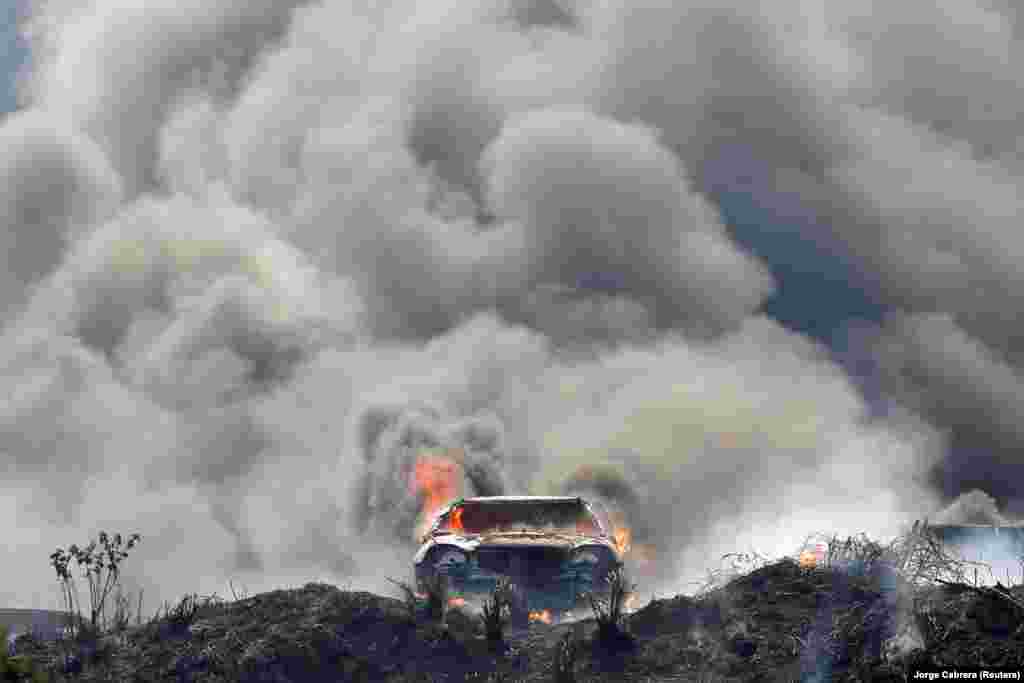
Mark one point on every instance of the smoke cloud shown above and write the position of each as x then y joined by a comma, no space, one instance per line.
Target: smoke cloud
255,250
57,183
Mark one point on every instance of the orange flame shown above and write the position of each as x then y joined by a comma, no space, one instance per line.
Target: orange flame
622,535
456,522
543,616
456,602
438,477
643,555
812,557
623,539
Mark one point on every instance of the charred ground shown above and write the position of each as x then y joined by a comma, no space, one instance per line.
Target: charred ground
865,613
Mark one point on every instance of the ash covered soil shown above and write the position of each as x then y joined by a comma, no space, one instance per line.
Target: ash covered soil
780,622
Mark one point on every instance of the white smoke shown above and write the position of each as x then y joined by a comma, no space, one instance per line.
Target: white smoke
240,235
974,507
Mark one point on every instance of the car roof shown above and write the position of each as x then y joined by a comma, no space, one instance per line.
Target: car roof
522,499
516,499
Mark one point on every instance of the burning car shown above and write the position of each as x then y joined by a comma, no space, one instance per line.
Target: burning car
554,549
620,487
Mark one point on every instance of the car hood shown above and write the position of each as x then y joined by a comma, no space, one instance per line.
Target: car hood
469,543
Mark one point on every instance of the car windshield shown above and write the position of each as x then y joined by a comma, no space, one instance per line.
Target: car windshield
479,518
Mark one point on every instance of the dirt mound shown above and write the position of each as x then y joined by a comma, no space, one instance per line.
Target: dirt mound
781,622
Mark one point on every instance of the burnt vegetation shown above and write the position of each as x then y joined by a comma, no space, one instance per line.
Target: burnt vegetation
496,612
863,612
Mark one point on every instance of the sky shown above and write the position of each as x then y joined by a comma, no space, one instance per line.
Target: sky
765,248
13,53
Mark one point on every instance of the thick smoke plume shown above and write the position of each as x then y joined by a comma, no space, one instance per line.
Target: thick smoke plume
253,248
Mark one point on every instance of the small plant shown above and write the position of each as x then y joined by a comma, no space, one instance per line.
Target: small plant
497,609
409,599
608,612
566,653
432,597
123,612
101,568
184,614
138,610
238,595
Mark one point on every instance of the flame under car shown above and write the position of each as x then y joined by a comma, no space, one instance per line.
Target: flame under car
554,550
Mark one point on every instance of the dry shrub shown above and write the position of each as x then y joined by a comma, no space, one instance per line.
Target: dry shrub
100,564
921,558
409,599
497,610
733,566
608,612
433,599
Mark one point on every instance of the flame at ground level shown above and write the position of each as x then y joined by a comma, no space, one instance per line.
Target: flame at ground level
643,555
543,616
812,557
622,535
623,539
